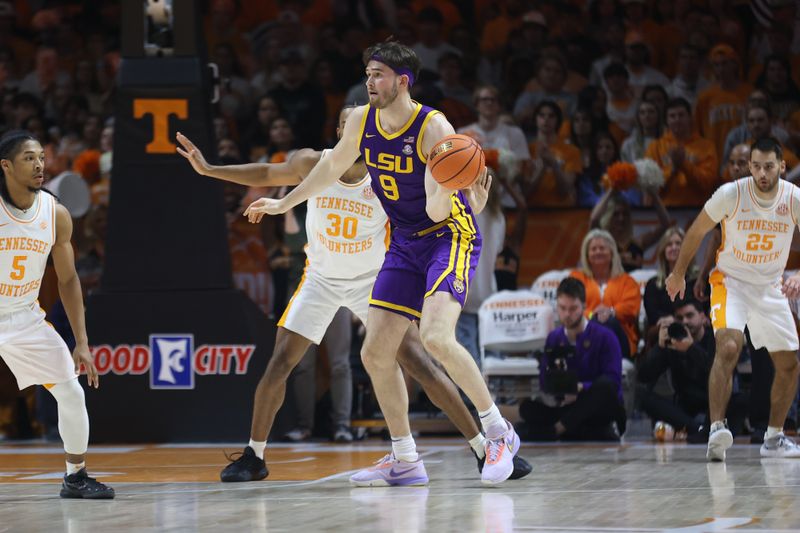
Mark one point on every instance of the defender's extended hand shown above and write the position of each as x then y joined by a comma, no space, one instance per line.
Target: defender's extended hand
263,206
192,154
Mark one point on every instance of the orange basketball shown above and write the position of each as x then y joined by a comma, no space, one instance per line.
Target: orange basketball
456,161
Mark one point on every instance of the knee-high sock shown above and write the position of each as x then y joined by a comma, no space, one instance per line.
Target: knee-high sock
73,419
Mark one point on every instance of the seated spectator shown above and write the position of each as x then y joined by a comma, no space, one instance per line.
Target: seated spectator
720,108
551,74
648,128
637,58
656,95
777,81
613,297
590,182
759,124
494,134
582,130
451,79
740,134
555,163
256,139
686,350
613,214
690,81
657,303
621,105
432,44
583,401
688,160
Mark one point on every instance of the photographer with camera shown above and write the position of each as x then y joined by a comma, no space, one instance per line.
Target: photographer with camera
686,349
580,375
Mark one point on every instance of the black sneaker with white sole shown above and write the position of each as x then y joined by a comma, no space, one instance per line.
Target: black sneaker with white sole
521,467
244,467
80,486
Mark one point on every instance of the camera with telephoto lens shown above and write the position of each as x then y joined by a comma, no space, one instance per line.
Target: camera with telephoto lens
676,332
557,378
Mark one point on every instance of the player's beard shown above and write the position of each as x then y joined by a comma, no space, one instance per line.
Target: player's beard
770,187
390,100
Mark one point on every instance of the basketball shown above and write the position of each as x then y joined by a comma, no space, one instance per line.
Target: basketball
456,161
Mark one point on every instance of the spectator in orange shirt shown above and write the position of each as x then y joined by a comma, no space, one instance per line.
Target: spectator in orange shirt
688,160
555,163
613,297
720,108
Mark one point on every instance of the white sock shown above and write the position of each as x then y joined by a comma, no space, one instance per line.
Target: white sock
772,432
478,444
719,424
74,468
405,449
492,422
258,447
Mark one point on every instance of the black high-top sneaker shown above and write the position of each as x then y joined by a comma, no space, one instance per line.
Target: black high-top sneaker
245,467
80,485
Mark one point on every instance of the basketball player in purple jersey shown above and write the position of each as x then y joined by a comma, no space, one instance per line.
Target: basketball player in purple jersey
434,249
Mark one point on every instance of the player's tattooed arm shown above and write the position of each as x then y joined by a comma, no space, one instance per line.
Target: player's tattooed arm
249,174
69,289
437,204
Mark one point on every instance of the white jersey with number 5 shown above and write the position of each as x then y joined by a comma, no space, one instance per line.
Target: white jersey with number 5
24,247
348,231
756,235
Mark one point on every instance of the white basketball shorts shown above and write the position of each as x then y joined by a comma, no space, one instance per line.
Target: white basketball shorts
33,350
762,308
317,299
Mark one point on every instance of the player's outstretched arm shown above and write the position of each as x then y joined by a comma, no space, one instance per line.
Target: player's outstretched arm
69,288
437,204
322,176
676,281
249,174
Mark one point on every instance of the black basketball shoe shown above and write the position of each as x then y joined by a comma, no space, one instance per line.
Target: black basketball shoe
521,467
245,467
80,485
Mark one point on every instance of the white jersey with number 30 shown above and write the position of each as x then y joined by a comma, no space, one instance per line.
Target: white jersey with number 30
348,231
756,235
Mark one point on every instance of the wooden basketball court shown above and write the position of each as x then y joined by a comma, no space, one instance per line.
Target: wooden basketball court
637,486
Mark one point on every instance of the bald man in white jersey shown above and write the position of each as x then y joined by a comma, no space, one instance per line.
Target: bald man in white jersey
758,215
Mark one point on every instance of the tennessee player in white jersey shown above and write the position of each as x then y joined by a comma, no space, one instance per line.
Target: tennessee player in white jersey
33,226
347,239
758,215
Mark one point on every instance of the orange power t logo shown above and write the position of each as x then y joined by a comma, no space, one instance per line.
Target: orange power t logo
161,109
